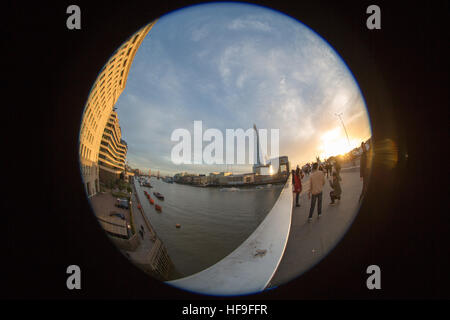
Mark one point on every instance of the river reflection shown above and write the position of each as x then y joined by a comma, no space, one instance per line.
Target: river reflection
213,222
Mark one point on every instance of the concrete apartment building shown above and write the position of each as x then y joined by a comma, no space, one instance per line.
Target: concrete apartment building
98,110
113,151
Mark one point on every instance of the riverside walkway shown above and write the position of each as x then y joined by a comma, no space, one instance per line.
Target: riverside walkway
308,243
151,256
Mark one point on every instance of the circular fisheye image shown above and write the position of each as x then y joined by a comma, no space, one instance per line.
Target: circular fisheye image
225,148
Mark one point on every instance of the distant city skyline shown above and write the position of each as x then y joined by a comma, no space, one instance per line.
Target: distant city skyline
233,65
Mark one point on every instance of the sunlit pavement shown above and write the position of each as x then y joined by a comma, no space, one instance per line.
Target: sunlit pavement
308,242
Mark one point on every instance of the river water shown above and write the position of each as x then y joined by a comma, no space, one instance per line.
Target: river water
213,222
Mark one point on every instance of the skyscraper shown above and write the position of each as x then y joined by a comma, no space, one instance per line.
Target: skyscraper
258,162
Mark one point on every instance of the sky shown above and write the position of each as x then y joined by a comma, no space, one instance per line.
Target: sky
232,66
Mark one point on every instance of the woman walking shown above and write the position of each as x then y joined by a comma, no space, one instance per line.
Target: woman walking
297,183
336,186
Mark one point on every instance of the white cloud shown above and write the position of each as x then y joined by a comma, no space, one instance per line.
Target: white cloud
199,33
249,22
293,83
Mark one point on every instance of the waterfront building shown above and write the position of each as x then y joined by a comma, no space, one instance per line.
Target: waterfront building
104,94
200,180
187,179
217,177
235,179
113,151
269,172
180,177
128,175
265,179
262,169
214,178
183,178
283,165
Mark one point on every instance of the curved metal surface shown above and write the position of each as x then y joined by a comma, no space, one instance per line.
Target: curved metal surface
251,266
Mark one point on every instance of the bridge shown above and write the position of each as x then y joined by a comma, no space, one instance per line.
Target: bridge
284,245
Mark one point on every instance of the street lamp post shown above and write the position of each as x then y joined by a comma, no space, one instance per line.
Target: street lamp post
339,115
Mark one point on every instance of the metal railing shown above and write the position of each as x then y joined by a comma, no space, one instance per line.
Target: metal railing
250,267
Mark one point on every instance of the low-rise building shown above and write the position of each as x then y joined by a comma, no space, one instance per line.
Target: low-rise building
200,180
237,179
263,178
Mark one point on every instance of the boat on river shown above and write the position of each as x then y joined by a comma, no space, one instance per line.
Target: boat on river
158,195
230,189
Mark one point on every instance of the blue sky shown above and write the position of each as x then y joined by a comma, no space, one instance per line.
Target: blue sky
232,65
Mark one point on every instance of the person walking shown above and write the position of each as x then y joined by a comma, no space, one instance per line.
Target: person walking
293,180
329,168
297,185
336,188
337,166
299,172
363,171
316,183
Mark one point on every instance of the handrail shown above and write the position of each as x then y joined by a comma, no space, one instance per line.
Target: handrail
250,267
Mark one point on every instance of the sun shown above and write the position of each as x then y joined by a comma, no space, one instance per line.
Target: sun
334,143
